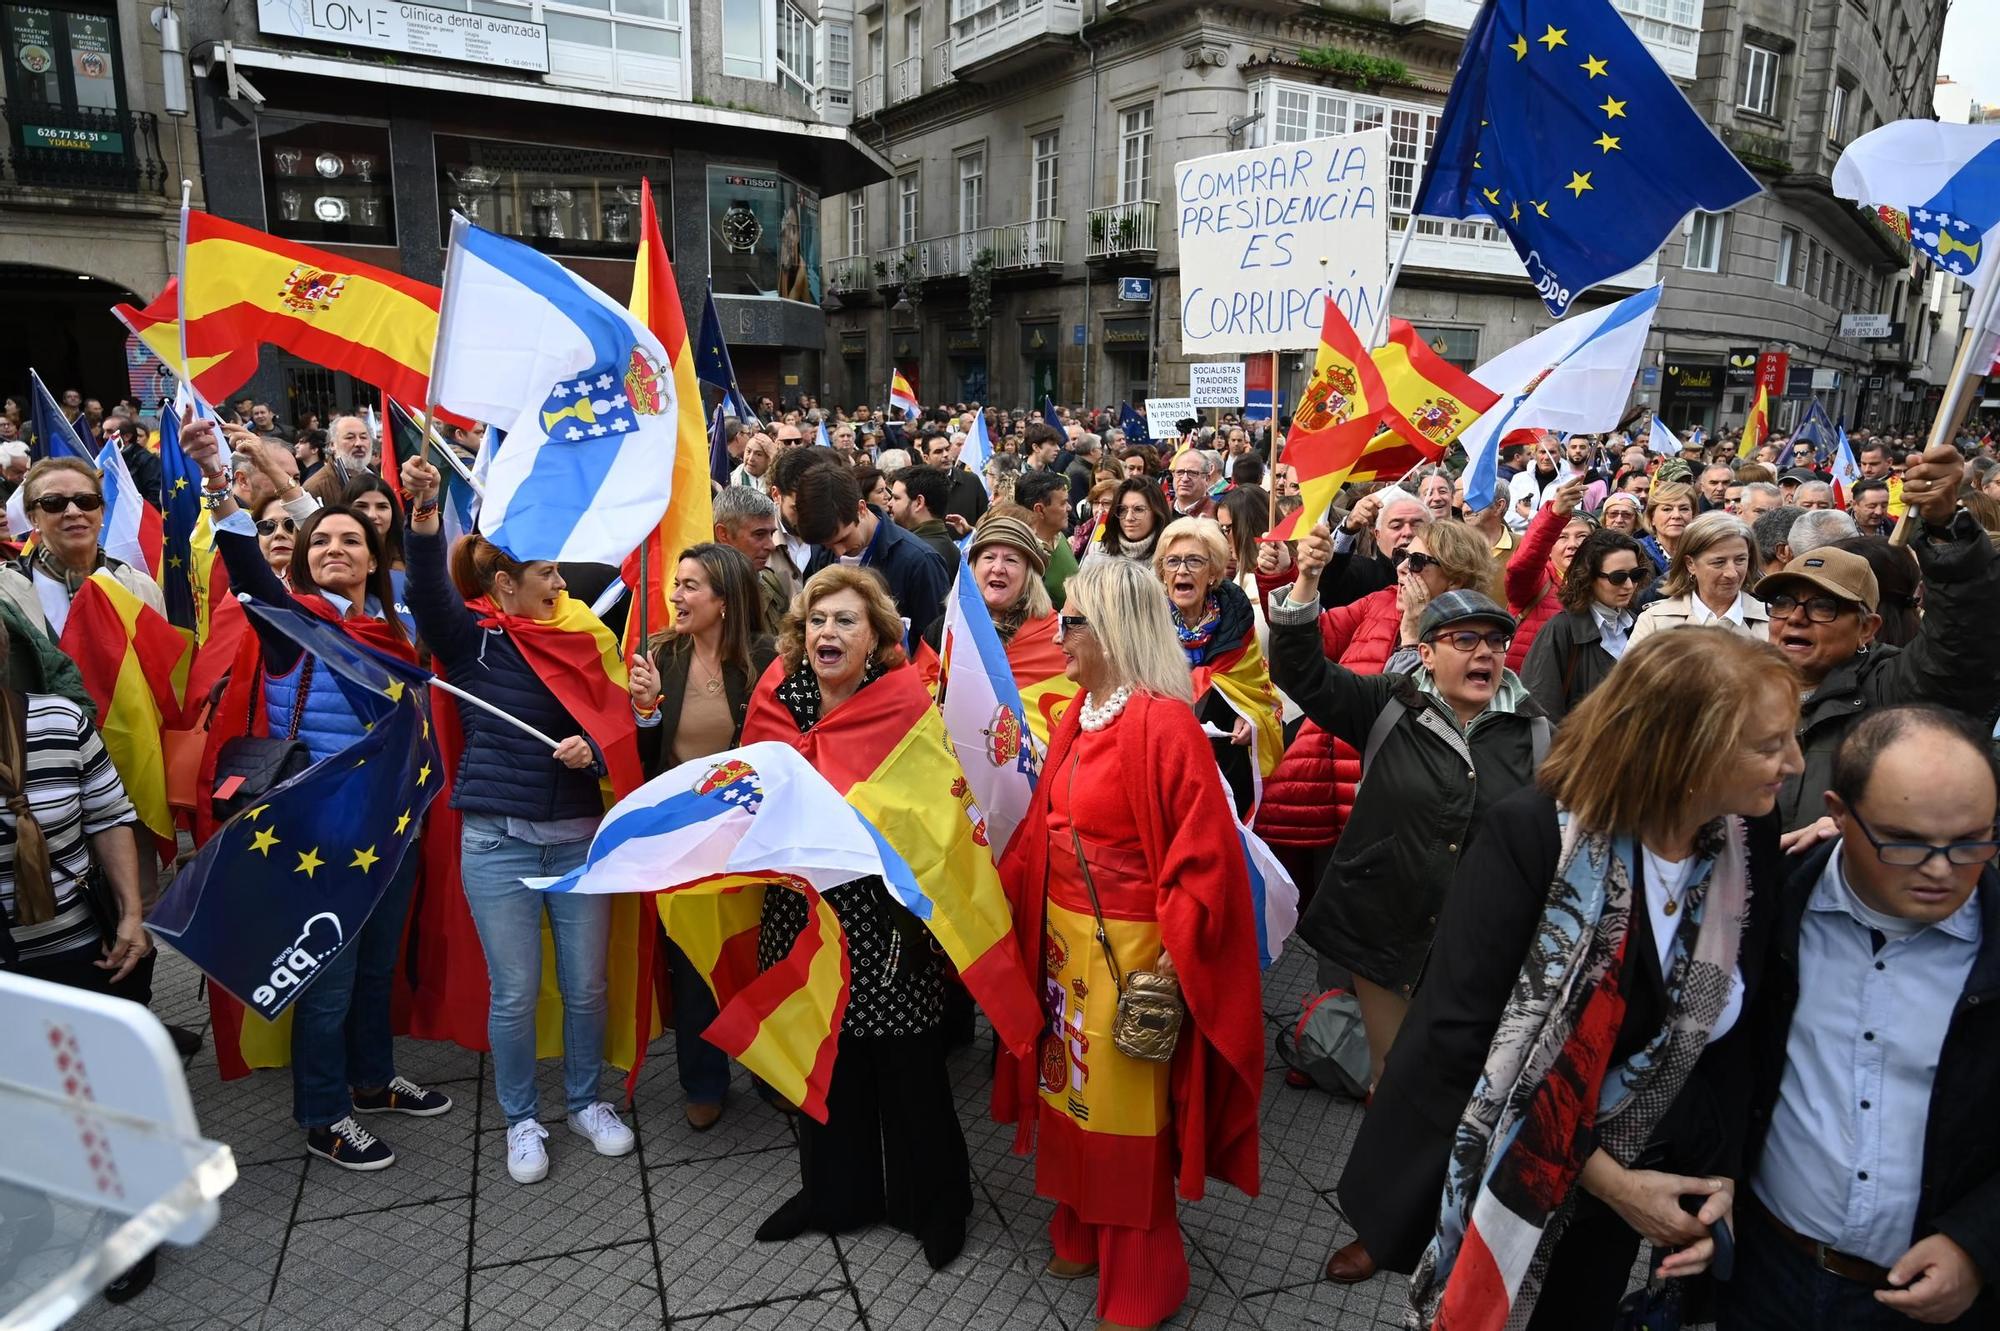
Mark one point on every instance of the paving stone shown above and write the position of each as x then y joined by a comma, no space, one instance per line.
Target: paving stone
587,1201
391,1268
604,1290
707,1213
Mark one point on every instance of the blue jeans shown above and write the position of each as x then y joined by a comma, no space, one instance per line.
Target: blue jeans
508,917
1776,1288
704,1069
340,1024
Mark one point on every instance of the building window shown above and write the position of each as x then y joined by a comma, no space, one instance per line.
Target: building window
1135,154
1294,111
66,112
907,212
560,200
327,181
1788,254
744,49
972,191
618,45
1759,91
1048,174
1704,244
840,56
797,39
763,232
1836,113
1403,158
1460,346
1813,255
857,223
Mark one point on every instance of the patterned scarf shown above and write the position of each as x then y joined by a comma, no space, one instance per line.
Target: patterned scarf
1194,637
1549,1087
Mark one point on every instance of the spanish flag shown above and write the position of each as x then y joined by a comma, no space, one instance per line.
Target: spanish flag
158,326
1243,678
1325,460
690,516
1345,381
885,750
1038,673
241,289
901,394
1431,401
1758,425
134,666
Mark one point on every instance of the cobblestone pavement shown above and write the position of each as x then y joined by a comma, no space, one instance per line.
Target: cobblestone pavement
444,1239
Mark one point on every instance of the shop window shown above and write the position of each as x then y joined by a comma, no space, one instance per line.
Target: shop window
326,182
66,102
763,232
574,201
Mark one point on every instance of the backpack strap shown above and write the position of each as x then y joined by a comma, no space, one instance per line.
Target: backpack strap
1378,734
1538,739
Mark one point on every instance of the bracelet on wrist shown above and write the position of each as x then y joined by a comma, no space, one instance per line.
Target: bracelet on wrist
646,713
424,512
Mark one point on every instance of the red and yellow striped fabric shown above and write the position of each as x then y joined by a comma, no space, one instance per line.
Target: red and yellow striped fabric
158,326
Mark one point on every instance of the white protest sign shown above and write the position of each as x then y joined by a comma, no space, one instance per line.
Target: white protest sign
1253,227
1163,415
1216,383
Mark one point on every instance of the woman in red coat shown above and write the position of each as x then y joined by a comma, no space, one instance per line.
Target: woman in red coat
1535,569
1105,882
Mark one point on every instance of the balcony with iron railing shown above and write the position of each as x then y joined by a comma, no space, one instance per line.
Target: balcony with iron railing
990,38
848,275
1481,248
868,96
1124,230
1012,247
1038,243
69,150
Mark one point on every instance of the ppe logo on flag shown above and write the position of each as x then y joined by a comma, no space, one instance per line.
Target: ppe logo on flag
311,290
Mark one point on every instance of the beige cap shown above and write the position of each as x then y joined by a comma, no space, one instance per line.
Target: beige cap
1839,573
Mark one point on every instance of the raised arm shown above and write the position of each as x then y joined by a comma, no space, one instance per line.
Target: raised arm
447,627
1338,700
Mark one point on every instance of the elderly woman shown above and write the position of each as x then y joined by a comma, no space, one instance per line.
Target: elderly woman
1669,510
1715,562
64,498
1535,569
1623,512
1138,515
1107,887
1217,627
1571,1075
1094,515
1576,650
891,1147
277,537
1439,745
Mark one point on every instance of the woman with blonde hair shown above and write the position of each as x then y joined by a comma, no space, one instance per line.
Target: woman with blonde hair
1670,507
891,1147
1109,892
1715,563
1580,1008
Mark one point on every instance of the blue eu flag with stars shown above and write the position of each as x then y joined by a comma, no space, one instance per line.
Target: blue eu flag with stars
282,888
1564,131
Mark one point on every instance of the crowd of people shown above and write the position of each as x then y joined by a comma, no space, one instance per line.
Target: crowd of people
1648,815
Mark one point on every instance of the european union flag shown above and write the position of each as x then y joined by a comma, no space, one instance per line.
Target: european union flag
55,436
719,465
181,512
1132,423
1051,419
1566,133
712,365
1817,429
283,886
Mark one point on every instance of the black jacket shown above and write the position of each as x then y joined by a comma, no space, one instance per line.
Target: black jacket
656,743
1960,1195
917,579
1566,662
1395,1172
1377,906
1954,661
967,494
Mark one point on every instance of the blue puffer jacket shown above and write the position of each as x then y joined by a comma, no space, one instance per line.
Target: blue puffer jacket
326,725
503,770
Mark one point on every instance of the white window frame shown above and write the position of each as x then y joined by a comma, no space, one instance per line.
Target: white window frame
839,55
1135,153
857,224
674,26
972,189
1757,91
794,30
1788,256
767,34
1047,198
1836,113
1705,237
909,208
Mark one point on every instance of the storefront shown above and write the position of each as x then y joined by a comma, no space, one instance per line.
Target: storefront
965,353
1128,357
849,381
1691,394
1041,344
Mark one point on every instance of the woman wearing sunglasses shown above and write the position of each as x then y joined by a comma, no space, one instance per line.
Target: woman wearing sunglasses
1576,649
65,501
1439,745
277,537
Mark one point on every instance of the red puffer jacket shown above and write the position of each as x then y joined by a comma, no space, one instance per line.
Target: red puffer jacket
1531,584
1308,797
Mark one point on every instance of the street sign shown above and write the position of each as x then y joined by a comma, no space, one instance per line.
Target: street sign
1865,327
1135,288
1216,383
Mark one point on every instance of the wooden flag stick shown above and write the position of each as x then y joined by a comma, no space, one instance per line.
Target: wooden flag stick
1958,389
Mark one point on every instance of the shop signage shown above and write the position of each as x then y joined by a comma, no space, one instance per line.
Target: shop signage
1136,331
1038,339
1703,382
1865,327
1799,381
964,339
65,139
853,341
1138,289
1742,367
410,29
1773,368
1216,383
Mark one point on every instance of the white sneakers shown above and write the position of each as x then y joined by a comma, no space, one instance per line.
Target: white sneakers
600,1123
527,1158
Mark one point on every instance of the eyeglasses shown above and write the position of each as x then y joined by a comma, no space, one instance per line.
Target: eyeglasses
1622,576
1467,640
1916,854
54,504
1068,624
1184,563
1818,609
1179,472
271,526
1417,561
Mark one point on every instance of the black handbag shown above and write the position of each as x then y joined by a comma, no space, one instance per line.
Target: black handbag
250,766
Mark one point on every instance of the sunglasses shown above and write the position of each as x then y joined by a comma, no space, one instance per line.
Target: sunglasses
272,526
54,504
1417,561
1070,623
1622,576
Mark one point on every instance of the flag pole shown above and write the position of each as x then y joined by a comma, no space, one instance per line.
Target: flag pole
1957,398
1277,444
486,706
1389,286
639,596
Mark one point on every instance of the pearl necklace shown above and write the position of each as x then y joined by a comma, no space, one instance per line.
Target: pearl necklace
1096,716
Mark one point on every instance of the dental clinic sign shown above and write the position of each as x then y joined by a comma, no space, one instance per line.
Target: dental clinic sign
1265,234
410,29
